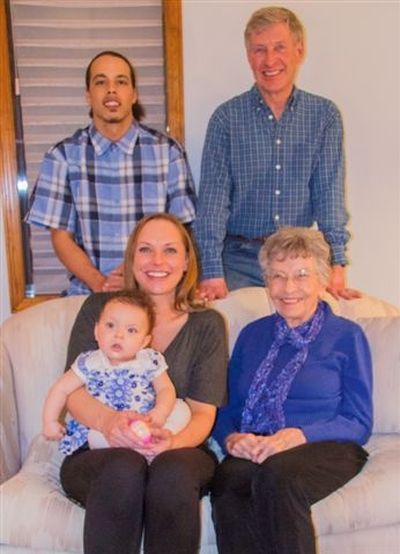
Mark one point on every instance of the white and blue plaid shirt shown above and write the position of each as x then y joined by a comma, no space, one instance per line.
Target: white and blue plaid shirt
98,190
259,174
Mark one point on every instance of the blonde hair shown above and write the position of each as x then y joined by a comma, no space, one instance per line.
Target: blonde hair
293,242
274,14
185,296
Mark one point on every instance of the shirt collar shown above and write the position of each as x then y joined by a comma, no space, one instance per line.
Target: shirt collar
126,143
291,103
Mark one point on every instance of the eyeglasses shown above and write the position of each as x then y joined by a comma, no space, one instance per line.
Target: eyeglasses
301,276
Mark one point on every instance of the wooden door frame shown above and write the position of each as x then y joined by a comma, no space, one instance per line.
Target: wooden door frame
172,25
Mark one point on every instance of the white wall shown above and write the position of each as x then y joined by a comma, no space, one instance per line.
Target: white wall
354,59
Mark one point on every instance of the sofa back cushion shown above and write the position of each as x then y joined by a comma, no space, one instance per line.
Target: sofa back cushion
383,335
34,350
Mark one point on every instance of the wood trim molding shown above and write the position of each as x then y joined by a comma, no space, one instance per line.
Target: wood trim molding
173,59
8,174
9,202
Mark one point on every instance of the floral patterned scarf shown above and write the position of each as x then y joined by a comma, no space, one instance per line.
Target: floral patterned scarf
263,410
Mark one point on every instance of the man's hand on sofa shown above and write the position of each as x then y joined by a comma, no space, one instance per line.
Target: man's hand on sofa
212,289
337,284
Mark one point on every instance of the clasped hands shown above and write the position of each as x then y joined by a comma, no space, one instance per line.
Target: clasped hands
119,433
258,448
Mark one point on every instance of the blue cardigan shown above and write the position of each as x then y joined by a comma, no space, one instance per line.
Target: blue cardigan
330,397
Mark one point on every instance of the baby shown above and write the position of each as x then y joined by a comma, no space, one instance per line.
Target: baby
123,373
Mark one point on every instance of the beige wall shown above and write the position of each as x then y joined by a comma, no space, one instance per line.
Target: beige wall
354,59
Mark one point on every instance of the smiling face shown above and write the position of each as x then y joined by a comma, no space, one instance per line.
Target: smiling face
274,56
122,331
110,93
295,287
159,258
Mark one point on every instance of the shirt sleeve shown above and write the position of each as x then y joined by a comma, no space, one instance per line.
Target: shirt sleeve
51,202
152,360
354,417
181,189
327,188
82,365
214,196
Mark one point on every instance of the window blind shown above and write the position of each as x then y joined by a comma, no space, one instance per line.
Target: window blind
54,40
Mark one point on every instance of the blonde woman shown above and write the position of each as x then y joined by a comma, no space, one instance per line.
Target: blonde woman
123,494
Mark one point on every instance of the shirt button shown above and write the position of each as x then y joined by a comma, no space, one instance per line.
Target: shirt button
276,217
278,141
270,116
277,192
278,167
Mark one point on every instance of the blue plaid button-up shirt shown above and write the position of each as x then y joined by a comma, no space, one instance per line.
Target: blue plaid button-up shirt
98,190
259,174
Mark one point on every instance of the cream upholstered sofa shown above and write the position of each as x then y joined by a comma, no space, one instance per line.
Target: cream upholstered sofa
361,518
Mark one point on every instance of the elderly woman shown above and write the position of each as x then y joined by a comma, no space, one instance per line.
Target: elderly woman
300,406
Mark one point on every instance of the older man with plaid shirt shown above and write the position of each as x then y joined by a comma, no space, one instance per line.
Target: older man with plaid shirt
273,157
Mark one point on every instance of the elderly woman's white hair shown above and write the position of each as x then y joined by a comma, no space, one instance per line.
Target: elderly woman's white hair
292,242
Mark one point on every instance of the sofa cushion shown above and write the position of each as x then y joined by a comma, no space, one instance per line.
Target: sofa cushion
34,343
384,339
367,500
35,511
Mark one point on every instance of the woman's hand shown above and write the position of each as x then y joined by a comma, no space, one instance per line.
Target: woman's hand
118,432
161,441
242,445
278,442
195,432
257,448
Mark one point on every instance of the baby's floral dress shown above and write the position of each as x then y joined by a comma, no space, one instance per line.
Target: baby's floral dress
127,386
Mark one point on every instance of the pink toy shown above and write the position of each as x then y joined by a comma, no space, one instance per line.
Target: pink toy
142,430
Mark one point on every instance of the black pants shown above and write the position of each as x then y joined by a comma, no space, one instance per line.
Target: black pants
266,508
122,494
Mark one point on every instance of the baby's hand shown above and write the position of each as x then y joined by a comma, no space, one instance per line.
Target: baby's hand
53,430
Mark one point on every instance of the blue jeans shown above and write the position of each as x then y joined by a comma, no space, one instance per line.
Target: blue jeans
240,260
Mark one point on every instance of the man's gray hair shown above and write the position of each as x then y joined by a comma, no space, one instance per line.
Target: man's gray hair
273,14
292,242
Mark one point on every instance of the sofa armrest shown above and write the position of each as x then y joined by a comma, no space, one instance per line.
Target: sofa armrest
10,454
